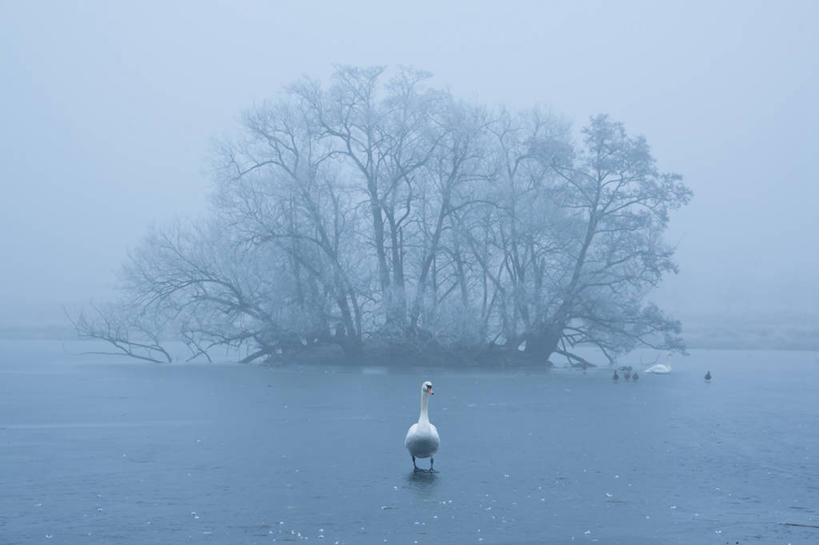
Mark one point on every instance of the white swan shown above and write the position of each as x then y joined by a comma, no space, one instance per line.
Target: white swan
422,438
660,368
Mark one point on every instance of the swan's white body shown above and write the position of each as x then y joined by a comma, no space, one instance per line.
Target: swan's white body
659,369
422,438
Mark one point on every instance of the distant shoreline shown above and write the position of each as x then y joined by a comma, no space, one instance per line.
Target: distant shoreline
738,340
797,330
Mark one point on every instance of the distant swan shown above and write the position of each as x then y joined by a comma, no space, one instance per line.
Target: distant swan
660,368
708,376
422,438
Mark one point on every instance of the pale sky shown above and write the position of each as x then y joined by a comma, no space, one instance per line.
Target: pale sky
108,110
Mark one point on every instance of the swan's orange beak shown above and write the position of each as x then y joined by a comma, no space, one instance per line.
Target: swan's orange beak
431,392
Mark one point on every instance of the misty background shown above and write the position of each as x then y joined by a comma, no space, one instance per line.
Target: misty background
109,113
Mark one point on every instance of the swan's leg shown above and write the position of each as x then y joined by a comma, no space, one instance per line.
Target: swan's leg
431,463
415,467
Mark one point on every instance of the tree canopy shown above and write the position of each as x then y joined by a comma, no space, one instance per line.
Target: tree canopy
380,210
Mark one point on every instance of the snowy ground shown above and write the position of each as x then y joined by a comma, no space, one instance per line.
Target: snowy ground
93,451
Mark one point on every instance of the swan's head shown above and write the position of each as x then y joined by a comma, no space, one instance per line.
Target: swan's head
427,388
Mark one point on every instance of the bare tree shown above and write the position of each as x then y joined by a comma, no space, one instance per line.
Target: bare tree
279,188
385,136
379,210
614,192
128,330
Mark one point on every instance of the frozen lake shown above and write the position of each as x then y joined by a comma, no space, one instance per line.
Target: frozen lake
119,452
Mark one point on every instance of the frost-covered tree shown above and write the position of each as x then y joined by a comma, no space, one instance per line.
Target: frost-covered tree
617,203
381,211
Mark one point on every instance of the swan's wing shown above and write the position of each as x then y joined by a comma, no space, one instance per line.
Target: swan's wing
411,432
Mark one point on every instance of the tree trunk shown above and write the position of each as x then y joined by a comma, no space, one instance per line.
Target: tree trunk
542,343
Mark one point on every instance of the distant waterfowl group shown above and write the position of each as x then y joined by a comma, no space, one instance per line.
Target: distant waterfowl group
664,368
628,373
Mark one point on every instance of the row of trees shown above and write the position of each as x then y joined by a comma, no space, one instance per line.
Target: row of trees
380,210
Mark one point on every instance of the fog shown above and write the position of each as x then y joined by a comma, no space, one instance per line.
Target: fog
296,244
109,113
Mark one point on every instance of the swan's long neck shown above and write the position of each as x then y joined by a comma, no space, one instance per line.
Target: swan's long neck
424,418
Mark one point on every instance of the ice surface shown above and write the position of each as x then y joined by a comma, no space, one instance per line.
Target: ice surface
238,454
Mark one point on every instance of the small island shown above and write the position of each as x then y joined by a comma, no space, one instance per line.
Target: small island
392,220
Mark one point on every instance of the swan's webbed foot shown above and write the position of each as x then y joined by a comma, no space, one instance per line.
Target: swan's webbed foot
415,468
